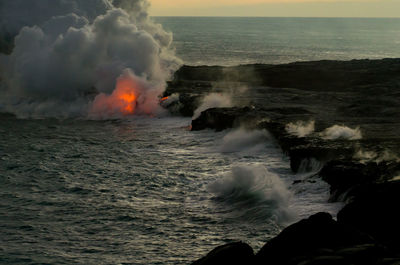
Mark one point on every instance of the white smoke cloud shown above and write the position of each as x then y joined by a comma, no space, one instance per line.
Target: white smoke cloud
213,100
16,14
59,64
300,128
341,132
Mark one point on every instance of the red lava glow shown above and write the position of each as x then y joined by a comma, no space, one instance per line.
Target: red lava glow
123,99
128,100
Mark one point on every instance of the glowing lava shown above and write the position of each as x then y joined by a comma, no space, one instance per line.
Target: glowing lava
123,100
163,99
132,95
128,100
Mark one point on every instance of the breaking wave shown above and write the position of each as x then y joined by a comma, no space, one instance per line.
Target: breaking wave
300,128
254,194
341,132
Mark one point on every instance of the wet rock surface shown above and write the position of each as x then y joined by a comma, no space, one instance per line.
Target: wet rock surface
362,171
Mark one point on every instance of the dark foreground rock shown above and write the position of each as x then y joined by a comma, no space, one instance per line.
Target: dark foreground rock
316,240
233,253
374,210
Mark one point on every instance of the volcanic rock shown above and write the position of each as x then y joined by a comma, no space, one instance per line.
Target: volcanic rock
329,75
230,254
344,176
316,240
374,210
220,118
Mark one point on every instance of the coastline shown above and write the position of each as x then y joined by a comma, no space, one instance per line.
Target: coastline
362,172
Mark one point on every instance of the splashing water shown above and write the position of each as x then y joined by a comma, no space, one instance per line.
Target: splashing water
341,132
300,128
254,193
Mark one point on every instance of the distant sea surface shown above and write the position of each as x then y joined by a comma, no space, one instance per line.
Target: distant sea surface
233,41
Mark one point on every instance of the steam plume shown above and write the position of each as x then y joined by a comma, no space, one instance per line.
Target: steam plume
213,100
242,140
77,49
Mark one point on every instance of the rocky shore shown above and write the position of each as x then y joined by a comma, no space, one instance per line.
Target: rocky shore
297,103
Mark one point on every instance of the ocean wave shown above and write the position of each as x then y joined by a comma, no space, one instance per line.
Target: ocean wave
253,193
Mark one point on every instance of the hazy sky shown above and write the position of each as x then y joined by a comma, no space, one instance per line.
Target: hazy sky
286,8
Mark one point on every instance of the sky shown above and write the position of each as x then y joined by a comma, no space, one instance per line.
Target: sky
277,8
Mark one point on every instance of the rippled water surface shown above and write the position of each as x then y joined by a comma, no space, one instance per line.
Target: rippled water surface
241,40
140,191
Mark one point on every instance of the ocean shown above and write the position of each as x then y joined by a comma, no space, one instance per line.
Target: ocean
233,41
147,190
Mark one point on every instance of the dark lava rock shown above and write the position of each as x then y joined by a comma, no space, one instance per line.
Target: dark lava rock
374,210
329,75
230,254
318,240
220,118
344,176
317,236
302,156
188,104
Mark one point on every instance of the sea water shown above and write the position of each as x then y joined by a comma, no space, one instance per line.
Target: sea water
233,41
141,191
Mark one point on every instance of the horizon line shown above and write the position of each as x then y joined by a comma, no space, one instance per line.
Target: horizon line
222,16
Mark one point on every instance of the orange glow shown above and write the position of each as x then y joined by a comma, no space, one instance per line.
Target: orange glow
163,99
128,109
122,101
123,97
129,99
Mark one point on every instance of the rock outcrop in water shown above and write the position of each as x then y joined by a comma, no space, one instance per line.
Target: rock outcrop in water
363,97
